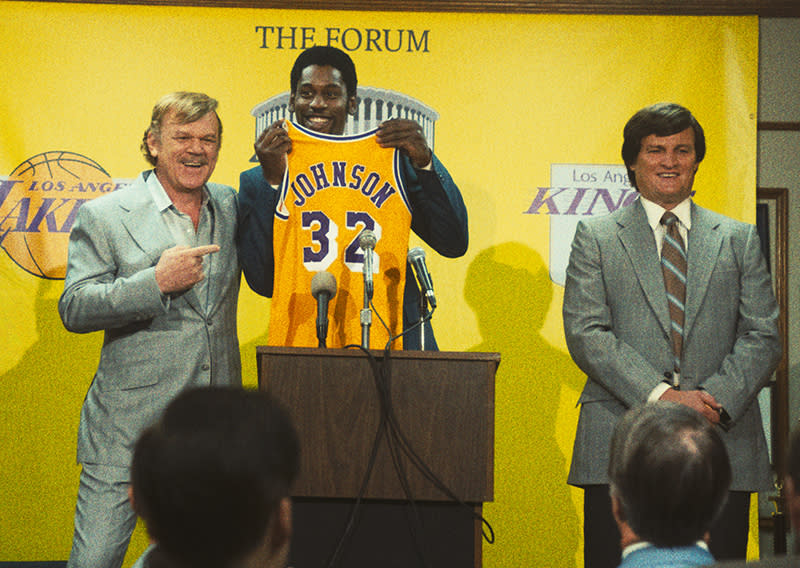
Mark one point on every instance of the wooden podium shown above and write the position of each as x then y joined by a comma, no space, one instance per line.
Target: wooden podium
444,406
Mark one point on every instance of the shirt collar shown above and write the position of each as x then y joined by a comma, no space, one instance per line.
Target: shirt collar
634,547
654,212
643,544
160,197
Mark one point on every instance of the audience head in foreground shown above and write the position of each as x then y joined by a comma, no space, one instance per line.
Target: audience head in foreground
669,475
211,480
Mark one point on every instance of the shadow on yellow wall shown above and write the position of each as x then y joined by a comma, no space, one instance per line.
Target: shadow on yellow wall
533,515
42,396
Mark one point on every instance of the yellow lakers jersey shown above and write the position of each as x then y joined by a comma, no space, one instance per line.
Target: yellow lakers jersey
334,188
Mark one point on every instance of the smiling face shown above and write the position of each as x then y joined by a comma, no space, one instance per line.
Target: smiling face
187,153
665,168
321,101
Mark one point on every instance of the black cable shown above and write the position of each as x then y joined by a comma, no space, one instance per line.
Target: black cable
398,446
352,520
397,461
397,433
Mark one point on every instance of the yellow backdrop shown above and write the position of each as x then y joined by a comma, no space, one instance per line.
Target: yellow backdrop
515,94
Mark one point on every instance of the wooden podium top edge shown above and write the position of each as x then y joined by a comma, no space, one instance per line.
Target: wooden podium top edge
398,354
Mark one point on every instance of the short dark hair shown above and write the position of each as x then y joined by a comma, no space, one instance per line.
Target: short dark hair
323,55
209,475
661,119
670,472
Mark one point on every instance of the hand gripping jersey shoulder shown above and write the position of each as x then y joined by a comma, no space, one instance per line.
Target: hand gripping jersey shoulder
335,187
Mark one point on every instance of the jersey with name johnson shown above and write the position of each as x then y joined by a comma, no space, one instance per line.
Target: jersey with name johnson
335,187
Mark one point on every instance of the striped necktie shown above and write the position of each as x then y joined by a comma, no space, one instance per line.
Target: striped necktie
673,265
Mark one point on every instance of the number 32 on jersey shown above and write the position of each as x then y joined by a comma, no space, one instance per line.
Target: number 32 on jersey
323,248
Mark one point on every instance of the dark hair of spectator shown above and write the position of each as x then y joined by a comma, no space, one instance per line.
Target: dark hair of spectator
670,471
208,476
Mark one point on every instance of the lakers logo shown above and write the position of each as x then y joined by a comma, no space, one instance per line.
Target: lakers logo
38,204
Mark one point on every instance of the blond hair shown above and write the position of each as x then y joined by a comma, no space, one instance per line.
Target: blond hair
187,108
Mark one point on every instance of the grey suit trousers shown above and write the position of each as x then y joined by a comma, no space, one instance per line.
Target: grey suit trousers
104,518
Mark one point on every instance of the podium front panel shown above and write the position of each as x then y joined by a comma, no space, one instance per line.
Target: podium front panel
443,403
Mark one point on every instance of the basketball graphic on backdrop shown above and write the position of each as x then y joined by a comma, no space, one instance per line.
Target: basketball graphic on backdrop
38,204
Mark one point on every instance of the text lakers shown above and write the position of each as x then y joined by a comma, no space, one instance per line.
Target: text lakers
39,202
35,205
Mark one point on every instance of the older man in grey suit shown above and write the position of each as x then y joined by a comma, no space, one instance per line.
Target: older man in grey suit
154,266
698,326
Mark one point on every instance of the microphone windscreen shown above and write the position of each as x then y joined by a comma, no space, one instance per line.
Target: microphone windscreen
323,282
367,239
416,253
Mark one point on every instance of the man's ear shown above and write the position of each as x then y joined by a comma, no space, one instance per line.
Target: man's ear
131,500
627,536
282,527
352,105
616,509
152,144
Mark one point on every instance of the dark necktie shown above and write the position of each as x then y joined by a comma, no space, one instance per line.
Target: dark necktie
673,265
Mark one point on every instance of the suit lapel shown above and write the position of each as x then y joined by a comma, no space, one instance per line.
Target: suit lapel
224,227
142,220
637,240
703,250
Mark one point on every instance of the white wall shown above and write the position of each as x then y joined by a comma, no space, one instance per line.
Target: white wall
779,167
779,158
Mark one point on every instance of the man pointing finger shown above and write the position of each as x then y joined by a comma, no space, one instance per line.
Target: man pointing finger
155,268
181,267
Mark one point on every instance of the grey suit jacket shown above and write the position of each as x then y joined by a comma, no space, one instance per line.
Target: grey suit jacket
617,324
153,347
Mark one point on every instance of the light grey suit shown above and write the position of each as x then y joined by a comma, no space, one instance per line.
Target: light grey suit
153,348
617,325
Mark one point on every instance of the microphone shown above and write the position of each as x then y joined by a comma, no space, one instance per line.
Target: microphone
323,288
416,258
367,242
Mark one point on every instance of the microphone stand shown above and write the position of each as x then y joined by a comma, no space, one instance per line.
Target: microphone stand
366,315
423,313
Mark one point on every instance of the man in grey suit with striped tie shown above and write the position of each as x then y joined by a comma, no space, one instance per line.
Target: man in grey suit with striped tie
697,327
